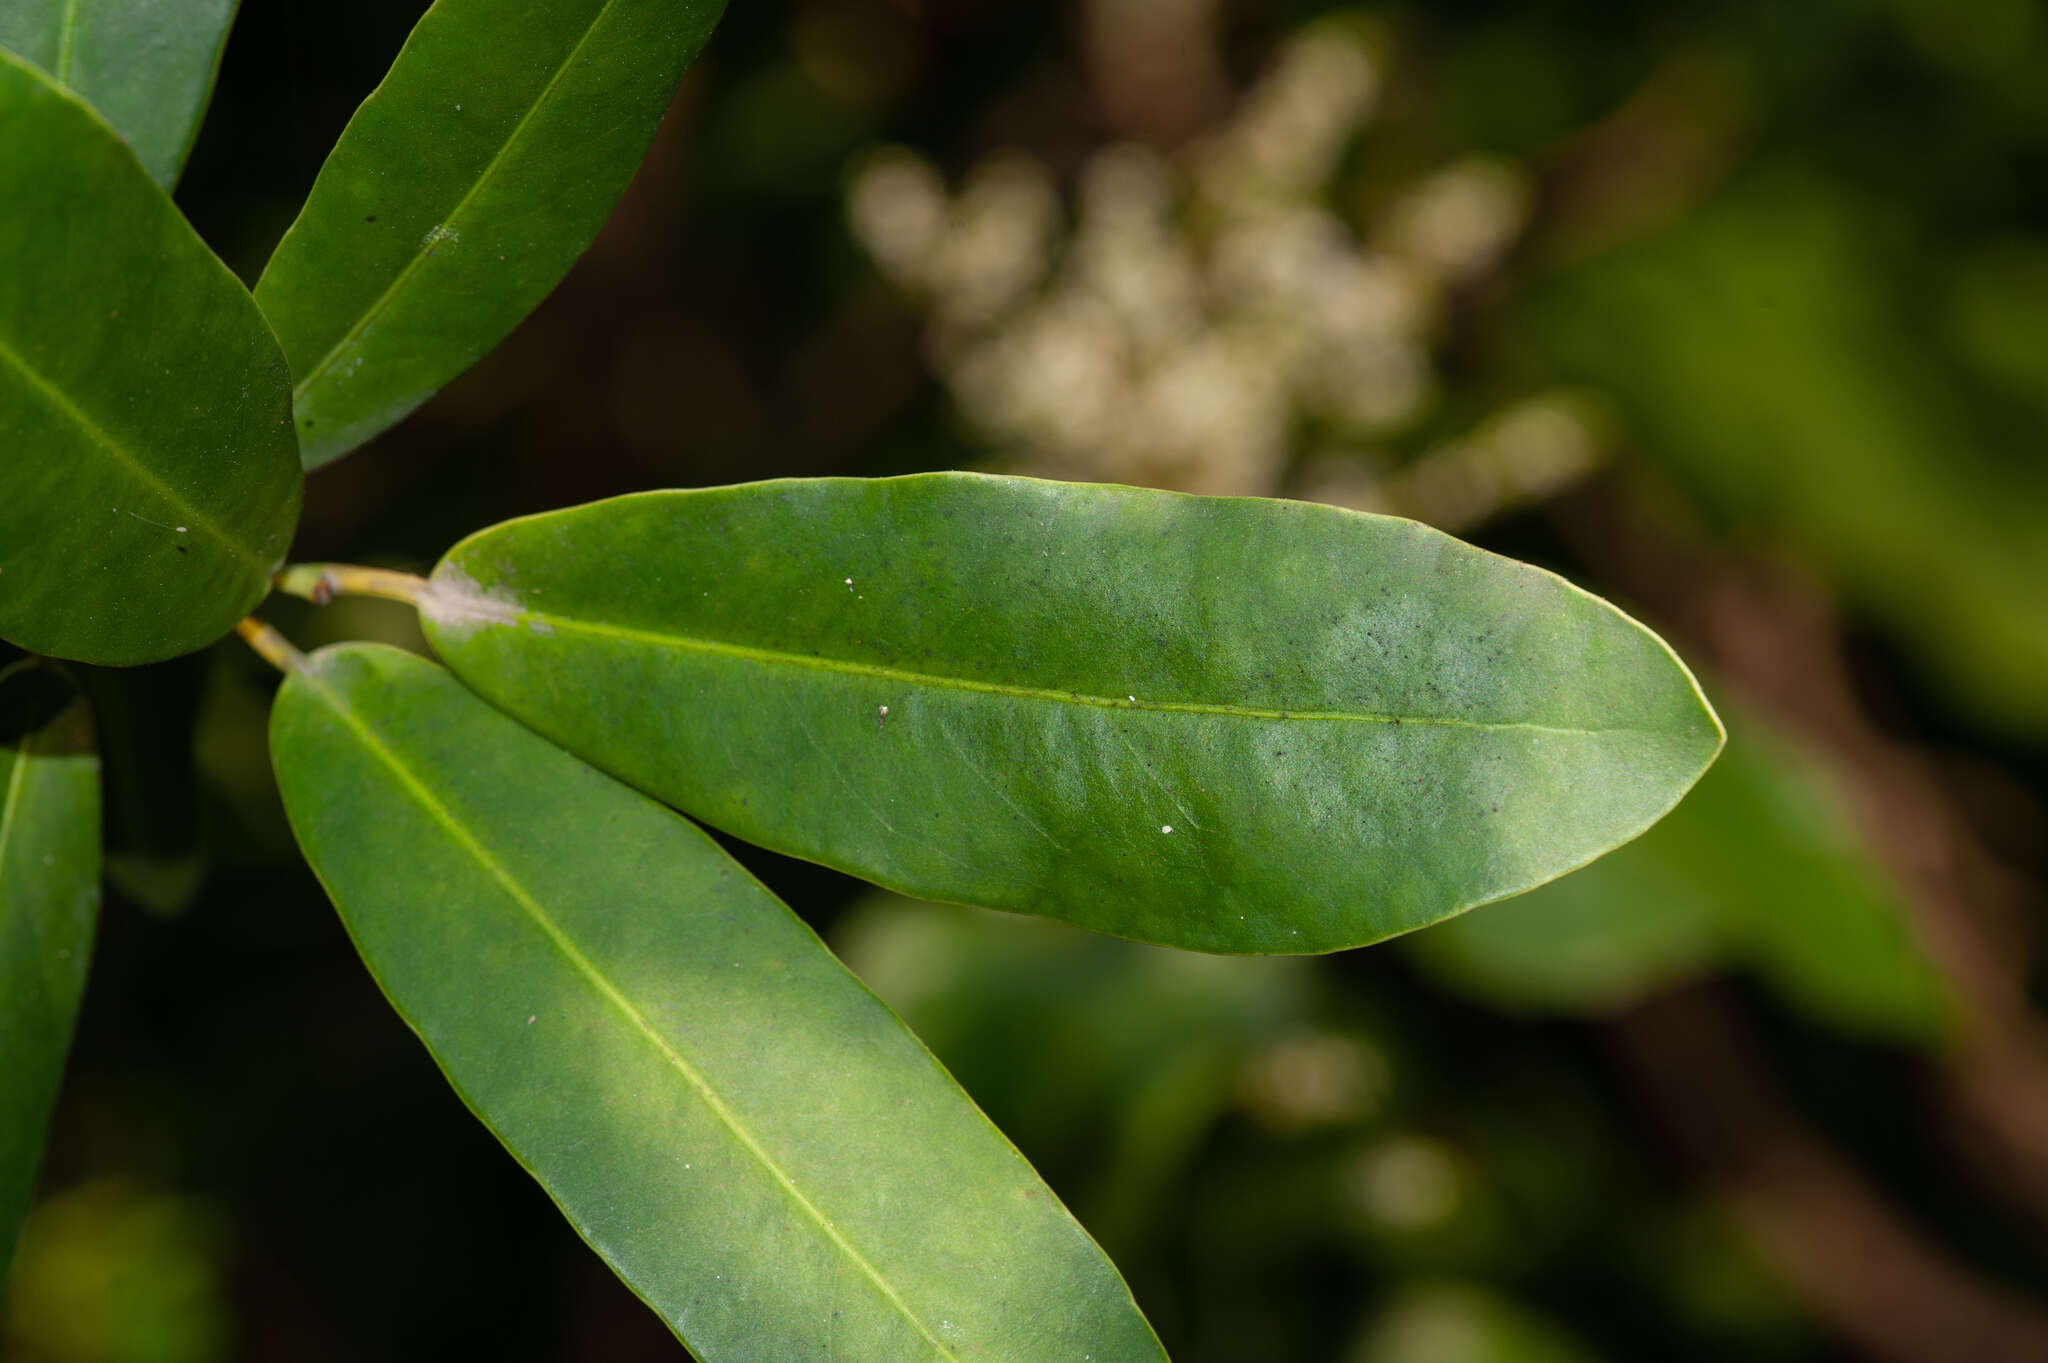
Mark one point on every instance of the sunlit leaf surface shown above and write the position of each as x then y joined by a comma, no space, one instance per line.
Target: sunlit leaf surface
761,1150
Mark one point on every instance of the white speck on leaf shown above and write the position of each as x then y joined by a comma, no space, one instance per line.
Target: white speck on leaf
1166,828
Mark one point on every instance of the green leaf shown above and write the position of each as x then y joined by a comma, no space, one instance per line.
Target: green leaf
49,903
462,191
1761,868
147,66
1226,724
148,486
758,1147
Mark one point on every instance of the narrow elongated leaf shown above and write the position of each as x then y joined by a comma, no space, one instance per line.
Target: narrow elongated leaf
1218,723
759,1148
146,65
49,903
461,193
148,478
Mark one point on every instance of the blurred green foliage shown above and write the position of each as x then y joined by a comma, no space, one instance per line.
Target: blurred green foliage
1244,1135
1775,352
113,1271
1759,868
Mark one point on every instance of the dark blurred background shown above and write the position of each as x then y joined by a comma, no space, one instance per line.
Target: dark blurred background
1735,312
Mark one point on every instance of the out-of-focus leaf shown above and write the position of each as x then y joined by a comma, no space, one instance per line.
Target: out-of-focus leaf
1762,350
1111,1060
1226,724
1816,915
149,483
759,1148
1593,942
146,65
142,717
49,905
116,1271
1456,1323
1758,868
462,191
1996,310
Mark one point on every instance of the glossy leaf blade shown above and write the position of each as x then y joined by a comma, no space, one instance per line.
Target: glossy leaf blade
149,482
49,905
462,191
1225,724
753,1142
147,66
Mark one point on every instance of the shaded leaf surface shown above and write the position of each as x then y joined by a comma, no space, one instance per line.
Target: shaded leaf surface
460,194
147,66
49,904
1226,724
759,1148
149,483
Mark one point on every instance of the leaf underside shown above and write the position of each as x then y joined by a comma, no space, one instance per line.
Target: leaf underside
150,482
1225,724
753,1142
461,192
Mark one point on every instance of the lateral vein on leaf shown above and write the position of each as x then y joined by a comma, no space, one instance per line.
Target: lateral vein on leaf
442,815
419,257
77,416
882,671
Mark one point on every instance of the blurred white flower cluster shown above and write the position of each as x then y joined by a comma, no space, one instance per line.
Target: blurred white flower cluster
1207,322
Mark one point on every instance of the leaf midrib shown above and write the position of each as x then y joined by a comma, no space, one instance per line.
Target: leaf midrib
476,187
442,815
520,615
78,417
